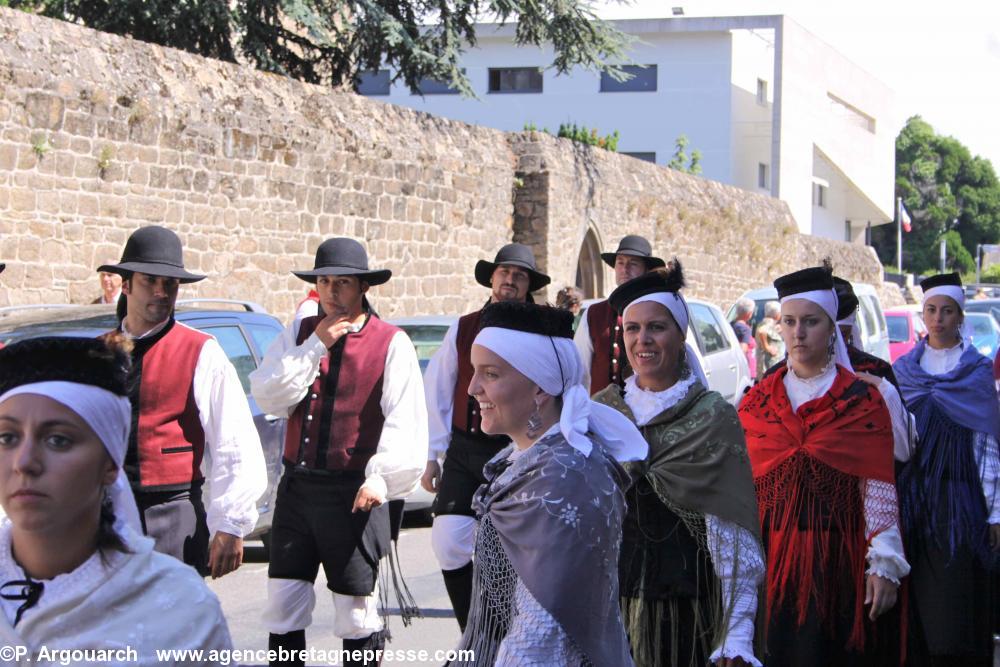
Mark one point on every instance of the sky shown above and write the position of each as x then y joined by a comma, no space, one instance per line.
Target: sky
941,59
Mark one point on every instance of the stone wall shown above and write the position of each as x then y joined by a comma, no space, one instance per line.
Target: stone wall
729,240
100,134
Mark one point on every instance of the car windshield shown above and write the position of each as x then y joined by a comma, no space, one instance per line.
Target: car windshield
980,325
426,340
899,331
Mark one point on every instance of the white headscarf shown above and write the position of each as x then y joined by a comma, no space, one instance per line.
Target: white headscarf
677,306
958,295
110,417
553,363
828,301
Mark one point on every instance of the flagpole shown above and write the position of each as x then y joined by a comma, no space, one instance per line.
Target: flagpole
899,235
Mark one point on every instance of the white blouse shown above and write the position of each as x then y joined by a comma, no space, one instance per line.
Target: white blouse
726,539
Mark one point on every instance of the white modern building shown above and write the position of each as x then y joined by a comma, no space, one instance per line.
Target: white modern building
770,107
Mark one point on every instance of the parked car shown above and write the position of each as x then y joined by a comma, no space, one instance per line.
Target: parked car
991,306
873,331
718,350
985,333
906,328
244,335
427,333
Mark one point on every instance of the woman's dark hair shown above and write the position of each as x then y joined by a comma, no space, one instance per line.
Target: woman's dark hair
108,538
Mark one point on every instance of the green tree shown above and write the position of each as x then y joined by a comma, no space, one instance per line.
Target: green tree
335,41
680,160
945,189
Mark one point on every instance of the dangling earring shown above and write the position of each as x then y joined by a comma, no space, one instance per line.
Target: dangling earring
534,422
831,348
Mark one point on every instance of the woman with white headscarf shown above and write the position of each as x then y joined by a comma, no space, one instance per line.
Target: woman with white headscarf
821,446
950,490
691,558
76,574
545,583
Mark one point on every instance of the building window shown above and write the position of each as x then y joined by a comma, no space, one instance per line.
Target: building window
429,86
819,195
762,92
642,155
643,80
373,83
763,176
515,80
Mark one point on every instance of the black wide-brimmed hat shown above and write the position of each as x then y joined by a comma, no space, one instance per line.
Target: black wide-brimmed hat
2,267
513,254
847,300
637,246
155,251
342,256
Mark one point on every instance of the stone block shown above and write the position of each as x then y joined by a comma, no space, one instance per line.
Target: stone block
44,110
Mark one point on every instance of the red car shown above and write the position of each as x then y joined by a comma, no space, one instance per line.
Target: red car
906,328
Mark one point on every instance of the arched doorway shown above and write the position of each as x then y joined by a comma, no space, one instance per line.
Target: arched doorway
590,268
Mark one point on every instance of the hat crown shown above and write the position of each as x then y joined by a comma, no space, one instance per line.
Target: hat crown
952,279
341,251
636,245
517,254
154,245
807,280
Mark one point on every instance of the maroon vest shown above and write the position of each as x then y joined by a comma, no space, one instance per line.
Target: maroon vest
465,413
167,441
338,424
608,364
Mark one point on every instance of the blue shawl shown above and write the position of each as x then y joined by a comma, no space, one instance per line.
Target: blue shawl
941,492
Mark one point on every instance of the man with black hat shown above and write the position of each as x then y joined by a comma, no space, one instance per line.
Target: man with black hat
357,436
599,335
453,422
188,406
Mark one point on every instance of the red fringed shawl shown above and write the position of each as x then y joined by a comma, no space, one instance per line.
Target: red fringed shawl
812,469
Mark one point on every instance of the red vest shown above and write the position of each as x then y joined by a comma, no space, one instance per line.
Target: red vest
608,362
167,441
338,424
465,415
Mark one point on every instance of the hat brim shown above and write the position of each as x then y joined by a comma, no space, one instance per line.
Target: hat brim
651,262
152,269
373,278
484,273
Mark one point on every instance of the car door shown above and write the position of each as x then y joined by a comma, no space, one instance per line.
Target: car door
719,363
236,344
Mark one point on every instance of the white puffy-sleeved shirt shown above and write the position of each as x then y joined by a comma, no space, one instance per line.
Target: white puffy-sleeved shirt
885,552
235,471
585,346
725,539
439,392
288,371
144,601
939,362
